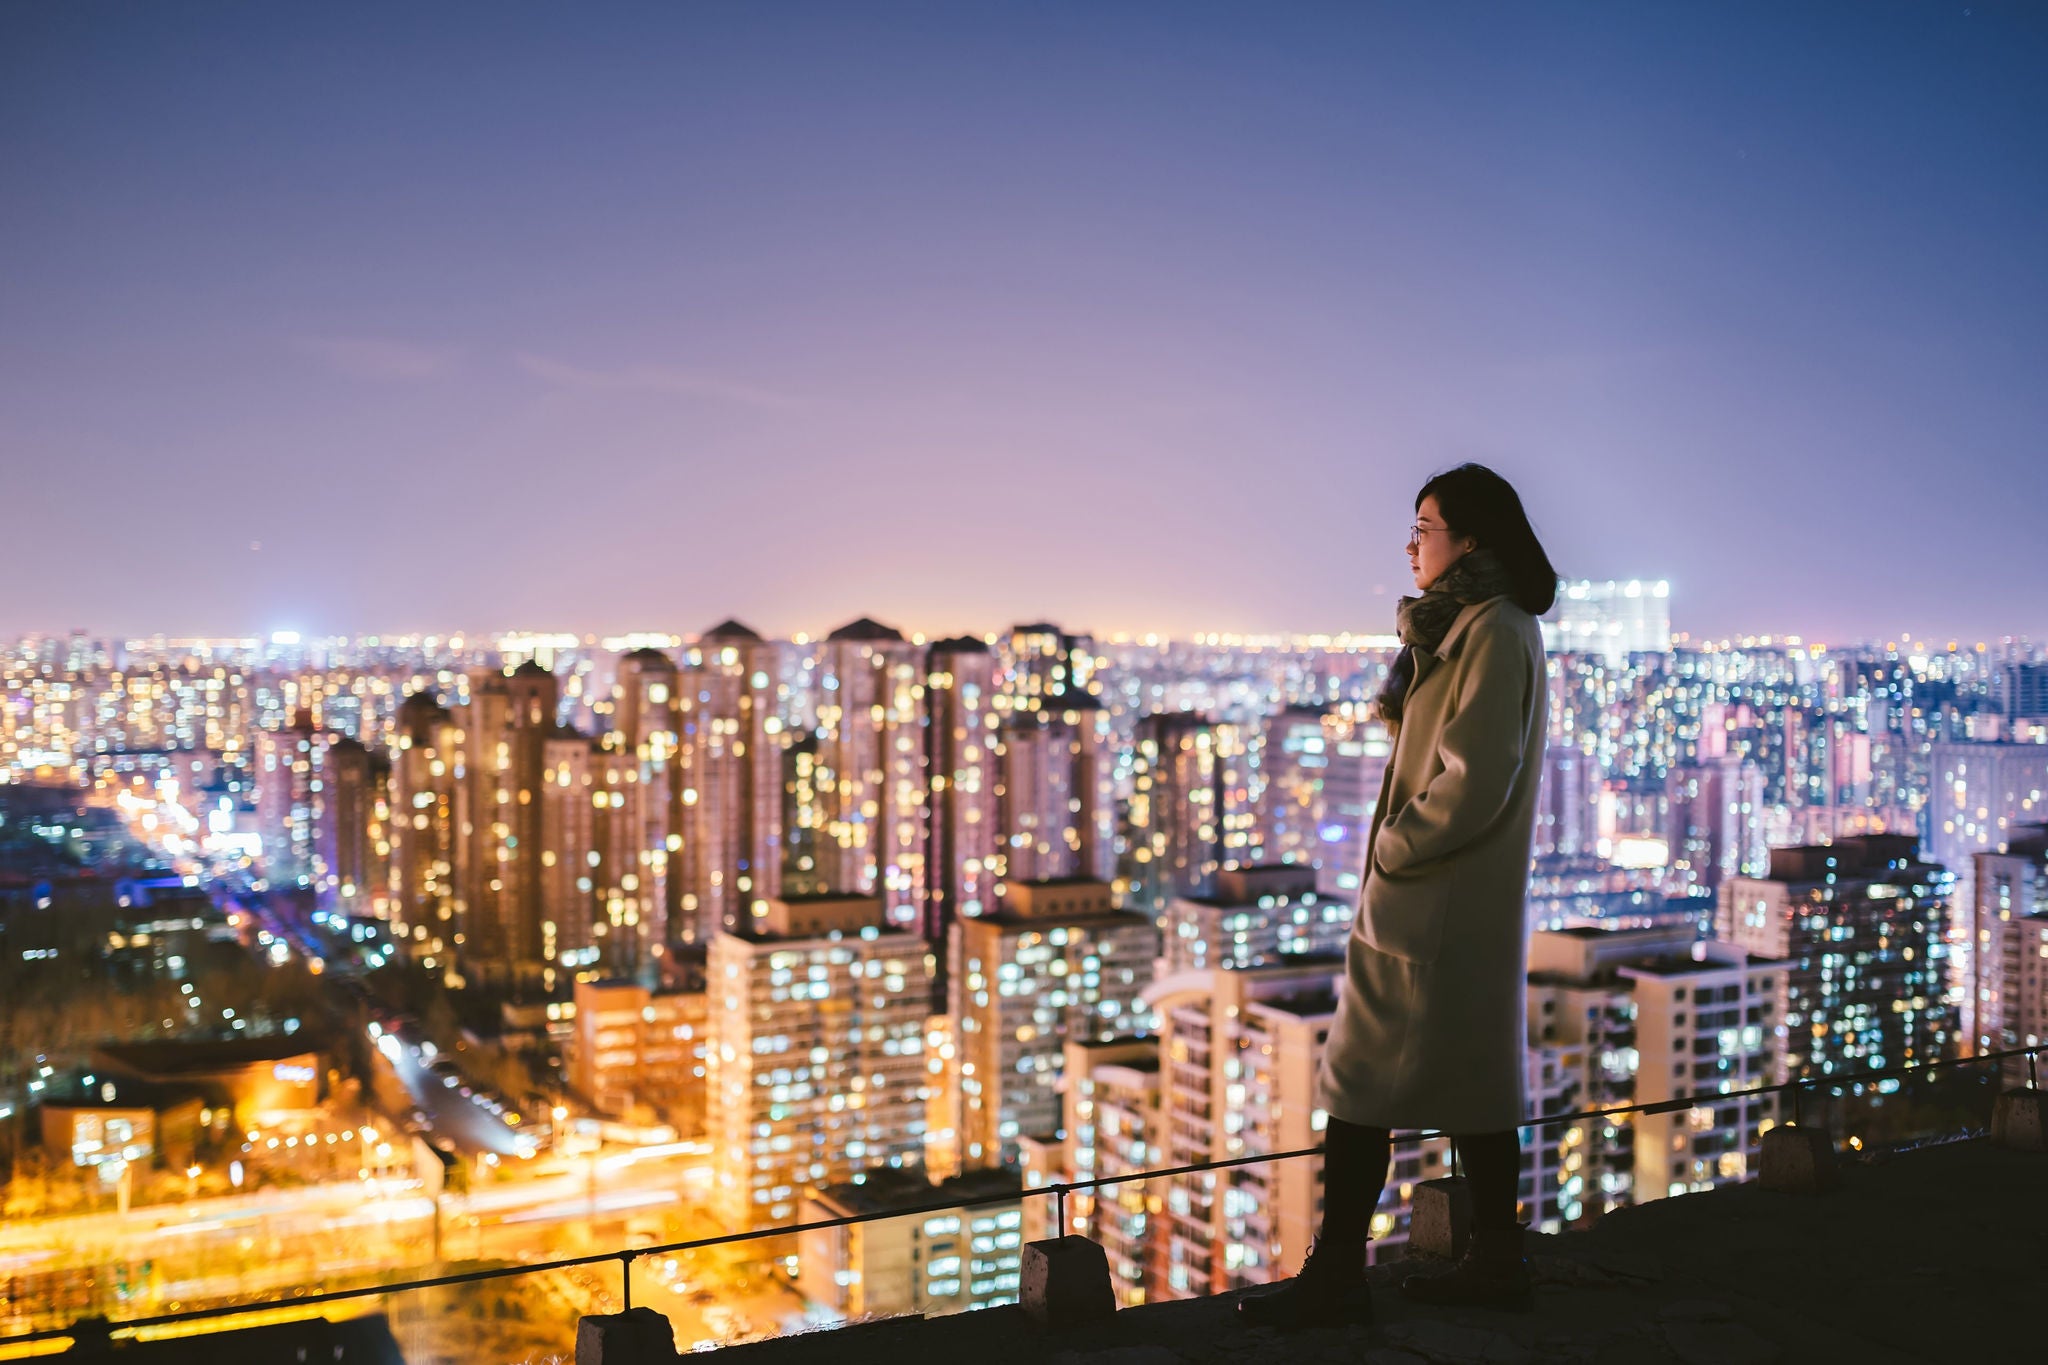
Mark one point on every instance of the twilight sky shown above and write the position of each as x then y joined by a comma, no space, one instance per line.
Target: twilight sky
1131,316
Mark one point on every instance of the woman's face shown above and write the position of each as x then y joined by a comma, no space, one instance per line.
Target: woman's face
1431,546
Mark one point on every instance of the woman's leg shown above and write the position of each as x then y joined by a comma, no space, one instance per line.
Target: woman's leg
1494,1272
1493,1169
1331,1286
1355,1163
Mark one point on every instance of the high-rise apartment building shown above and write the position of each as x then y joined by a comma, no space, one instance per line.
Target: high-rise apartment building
1611,618
729,766
1206,1085
2006,1000
817,1014
962,764
1238,1052
1257,916
1056,800
1357,752
1295,762
351,845
1715,810
1113,1128
636,824
1040,666
499,939
1979,792
804,817
1055,962
291,762
1650,1015
871,747
1861,924
424,830
1193,807
1567,803
577,918
2022,691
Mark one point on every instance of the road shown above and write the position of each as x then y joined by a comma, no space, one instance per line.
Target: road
217,1250
470,1127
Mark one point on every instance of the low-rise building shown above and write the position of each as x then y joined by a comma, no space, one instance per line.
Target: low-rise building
641,1054
937,1260
258,1078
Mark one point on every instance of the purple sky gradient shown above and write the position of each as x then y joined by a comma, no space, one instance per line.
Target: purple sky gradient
1128,316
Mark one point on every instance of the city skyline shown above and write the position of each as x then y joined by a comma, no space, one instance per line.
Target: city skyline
1138,321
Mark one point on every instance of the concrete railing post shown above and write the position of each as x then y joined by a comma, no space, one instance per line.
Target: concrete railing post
638,1336
2016,1121
1798,1159
1440,1218
1065,1282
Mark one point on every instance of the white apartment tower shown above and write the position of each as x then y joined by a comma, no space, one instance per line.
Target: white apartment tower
1649,1015
2007,990
1057,962
816,1015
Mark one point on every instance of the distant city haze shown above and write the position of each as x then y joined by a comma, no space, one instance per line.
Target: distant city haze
1135,318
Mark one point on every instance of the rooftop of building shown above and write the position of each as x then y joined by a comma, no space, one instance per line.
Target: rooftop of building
1862,857
1928,1255
1055,882
866,629
1093,919
887,1190
173,1057
1143,1063
1247,901
1680,965
733,630
2028,841
1104,1044
86,1089
1305,1004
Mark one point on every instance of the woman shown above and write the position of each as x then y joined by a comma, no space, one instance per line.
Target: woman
1430,1030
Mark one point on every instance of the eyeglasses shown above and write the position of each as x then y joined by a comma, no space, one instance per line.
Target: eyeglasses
1418,531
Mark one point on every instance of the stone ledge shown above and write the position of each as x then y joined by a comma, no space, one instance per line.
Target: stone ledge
1740,1276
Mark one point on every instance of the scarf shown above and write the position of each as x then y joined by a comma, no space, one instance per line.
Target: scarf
1424,621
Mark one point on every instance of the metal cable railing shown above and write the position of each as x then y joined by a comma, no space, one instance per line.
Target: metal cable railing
1059,1190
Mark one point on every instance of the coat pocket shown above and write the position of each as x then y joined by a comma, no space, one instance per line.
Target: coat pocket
1404,913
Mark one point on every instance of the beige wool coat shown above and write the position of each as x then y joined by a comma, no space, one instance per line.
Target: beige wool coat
1430,1030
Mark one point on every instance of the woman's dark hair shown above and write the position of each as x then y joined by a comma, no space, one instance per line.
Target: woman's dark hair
1479,503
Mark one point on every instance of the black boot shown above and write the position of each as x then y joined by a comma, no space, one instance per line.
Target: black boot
1493,1273
1329,1292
